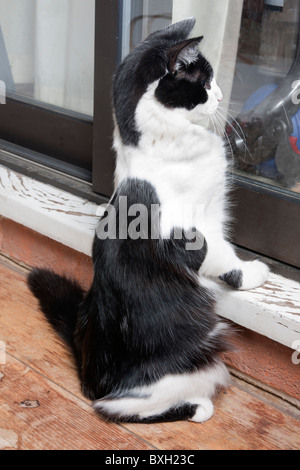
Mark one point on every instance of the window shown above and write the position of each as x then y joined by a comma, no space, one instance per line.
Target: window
254,48
50,49
47,65
264,129
267,100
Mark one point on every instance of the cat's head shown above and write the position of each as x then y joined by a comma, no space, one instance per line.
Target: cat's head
183,78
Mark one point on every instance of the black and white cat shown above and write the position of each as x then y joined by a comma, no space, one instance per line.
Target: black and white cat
146,336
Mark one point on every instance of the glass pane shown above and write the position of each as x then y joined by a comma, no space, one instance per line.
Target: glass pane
254,47
141,18
47,51
265,136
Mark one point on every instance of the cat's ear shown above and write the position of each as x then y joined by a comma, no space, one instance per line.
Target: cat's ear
176,32
181,29
184,53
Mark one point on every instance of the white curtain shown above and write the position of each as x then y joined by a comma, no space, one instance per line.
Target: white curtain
219,21
17,24
50,43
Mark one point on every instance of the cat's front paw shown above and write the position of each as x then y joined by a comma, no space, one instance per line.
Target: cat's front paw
252,274
255,273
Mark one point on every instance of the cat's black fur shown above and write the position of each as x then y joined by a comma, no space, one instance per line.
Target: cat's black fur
186,90
146,64
146,315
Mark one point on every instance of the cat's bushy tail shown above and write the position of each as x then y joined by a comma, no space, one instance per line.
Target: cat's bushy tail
59,299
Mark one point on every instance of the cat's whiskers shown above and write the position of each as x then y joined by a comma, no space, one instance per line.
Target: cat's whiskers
223,132
224,113
211,120
217,122
218,128
230,104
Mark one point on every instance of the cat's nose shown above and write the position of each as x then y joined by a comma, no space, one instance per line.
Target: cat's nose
220,99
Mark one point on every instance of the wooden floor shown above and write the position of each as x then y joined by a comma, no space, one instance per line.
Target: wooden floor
41,406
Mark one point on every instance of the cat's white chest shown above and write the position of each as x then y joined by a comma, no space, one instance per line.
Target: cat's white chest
186,173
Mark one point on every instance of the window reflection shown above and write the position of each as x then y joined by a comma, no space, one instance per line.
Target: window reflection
265,137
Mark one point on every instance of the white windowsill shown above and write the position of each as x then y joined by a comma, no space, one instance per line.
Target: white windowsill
272,310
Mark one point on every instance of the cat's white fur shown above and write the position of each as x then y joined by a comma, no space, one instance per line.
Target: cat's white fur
196,388
186,164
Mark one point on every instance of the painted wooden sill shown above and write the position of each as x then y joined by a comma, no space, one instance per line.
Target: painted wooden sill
272,310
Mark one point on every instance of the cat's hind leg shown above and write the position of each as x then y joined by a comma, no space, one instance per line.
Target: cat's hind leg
172,398
198,410
144,410
204,410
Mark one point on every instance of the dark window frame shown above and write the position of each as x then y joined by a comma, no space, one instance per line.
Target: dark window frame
266,220
64,139
265,217
107,56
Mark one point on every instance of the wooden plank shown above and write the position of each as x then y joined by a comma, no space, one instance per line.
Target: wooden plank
38,366
55,213
36,414
241,421
28,336
272,310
